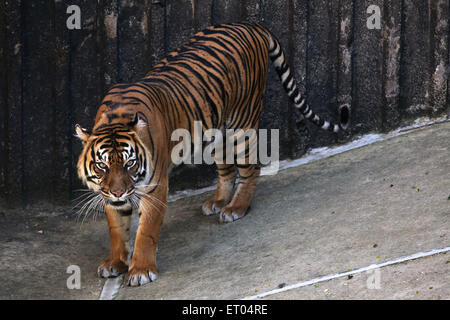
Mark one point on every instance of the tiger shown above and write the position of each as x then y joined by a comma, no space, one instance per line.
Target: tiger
217,77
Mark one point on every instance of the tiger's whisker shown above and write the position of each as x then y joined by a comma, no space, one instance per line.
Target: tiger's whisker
82,201
153,198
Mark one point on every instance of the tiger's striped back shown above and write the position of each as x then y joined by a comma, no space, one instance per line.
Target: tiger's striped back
217,77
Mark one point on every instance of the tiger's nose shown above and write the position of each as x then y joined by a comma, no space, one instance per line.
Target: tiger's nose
117,193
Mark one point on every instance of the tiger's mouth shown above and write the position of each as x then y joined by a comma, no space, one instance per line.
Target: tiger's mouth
117,203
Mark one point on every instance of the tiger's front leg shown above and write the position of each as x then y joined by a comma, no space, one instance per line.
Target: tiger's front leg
119,228
152,208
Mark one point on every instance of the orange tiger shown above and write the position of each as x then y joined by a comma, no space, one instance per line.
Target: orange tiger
219,78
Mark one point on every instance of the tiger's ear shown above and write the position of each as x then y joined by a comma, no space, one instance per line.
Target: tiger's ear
81,133
138,124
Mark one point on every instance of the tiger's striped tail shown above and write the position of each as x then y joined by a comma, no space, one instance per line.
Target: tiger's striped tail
278,58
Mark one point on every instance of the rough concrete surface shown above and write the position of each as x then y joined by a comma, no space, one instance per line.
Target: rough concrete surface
365,206
37,247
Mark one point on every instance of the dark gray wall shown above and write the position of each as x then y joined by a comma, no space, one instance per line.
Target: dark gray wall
52,78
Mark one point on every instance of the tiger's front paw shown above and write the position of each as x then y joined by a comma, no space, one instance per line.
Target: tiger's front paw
110,268
139,276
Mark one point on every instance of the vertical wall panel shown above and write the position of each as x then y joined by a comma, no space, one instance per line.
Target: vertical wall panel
38,100
322,58
251,10
392,13
4,142
345,54
415,52
225,11
133,48
299,133
202,9
178,33
438,58
275,113
158,29
14,176
108,41
62,129
367,67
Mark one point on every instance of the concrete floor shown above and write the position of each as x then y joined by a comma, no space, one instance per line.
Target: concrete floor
365,206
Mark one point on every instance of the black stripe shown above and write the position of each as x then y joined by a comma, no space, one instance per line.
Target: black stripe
125,213
285,83
275,57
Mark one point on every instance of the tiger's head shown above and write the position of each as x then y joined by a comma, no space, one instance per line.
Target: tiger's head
114,161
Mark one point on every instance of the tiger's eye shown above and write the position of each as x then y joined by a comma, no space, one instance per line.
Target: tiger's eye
102,165
130,163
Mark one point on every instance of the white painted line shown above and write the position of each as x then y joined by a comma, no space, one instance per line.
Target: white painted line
348,273
111,288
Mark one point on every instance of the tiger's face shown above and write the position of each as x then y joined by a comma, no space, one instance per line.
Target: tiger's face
114,164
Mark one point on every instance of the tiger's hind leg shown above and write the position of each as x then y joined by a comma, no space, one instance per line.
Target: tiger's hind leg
245,157
224,191
240,204
244,142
